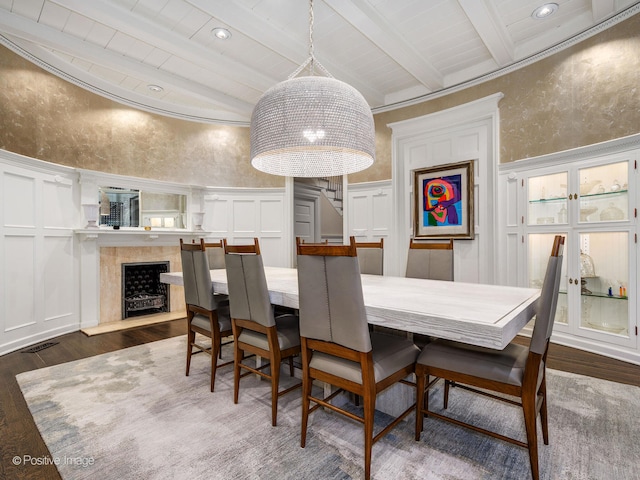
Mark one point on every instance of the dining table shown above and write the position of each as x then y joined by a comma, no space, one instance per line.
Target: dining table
473,313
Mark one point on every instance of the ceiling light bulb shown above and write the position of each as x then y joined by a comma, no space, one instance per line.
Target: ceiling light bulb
155,88
221,33
544,11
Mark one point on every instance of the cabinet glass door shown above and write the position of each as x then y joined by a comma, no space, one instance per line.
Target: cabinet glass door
603,193
604,280
547,199
539,248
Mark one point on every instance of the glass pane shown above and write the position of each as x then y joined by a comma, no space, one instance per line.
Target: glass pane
547,199
603,193
604,278
119,207
539,251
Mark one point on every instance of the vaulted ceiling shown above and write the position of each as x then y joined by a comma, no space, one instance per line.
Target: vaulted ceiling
161,55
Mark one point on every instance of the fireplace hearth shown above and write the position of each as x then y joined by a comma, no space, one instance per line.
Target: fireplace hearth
142,291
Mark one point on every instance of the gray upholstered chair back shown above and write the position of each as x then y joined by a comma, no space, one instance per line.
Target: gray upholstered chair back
215,254
197,279
248,292
371,257
546,307
331,302
435,263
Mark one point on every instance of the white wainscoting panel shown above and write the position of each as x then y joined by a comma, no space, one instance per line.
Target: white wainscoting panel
39,281
58,274
19,282
239,215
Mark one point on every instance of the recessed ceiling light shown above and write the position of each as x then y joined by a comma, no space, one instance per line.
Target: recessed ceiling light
221,33
155,88
544,11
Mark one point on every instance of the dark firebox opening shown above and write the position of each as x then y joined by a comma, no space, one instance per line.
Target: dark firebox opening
142,291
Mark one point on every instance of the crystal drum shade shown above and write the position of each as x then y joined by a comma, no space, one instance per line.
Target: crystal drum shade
312,126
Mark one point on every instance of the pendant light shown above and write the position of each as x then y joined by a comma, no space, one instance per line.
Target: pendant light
312,126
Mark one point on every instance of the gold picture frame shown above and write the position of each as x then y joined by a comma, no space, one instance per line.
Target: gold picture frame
443,201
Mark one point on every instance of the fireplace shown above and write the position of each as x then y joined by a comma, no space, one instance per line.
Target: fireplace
142,291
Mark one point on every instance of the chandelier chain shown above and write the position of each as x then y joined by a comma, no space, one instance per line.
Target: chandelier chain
311,56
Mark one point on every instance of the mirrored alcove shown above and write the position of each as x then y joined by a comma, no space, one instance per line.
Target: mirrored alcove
126,207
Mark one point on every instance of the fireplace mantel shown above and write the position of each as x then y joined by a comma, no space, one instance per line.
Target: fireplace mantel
138,237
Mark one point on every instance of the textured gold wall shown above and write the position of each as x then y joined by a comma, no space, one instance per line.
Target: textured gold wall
585,94
45,117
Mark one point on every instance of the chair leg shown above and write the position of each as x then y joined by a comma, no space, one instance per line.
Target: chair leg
420,385
543,413
369,401
214,365
530,414
238,354
291,366
275,382
447,384
191,337
306,393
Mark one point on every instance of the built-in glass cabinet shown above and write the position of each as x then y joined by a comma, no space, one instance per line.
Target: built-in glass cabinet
590,204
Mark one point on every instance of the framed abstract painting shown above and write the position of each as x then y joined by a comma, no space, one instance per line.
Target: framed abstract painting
444,201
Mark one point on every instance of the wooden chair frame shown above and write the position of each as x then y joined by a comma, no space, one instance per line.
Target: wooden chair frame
215,334
274,354
431,245
532,400
368,389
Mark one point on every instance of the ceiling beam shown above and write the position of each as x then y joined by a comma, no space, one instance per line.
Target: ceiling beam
490,29
377,29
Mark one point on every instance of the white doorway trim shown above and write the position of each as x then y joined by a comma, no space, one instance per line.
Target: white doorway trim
412,134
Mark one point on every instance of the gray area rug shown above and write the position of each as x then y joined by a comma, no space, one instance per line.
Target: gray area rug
133,414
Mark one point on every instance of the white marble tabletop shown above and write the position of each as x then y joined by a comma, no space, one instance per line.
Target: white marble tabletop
485,315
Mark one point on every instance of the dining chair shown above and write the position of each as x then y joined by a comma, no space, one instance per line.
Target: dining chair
255,327
337,347
517,370
371,257
205,315
433,260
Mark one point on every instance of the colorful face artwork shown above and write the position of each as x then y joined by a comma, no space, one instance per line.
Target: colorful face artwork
442,201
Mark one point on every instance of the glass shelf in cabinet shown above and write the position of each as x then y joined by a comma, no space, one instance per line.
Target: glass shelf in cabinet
604,295
548,200
596,195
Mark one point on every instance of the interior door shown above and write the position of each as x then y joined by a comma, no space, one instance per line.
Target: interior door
304,219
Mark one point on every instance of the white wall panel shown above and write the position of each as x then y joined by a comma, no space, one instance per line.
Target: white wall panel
58,275
19,279
18,200
239,215
271,219
381,206
216,218
359,219
57,196
244,216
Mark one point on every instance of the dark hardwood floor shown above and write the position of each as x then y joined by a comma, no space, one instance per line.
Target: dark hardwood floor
20,437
